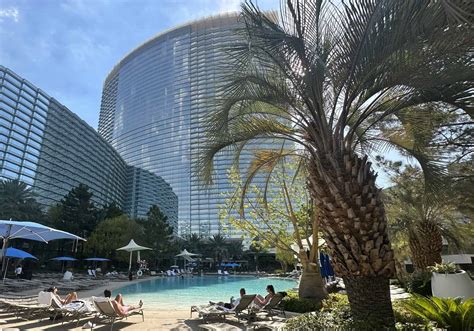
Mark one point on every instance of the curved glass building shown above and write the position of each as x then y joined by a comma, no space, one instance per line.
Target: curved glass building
154,104
51,149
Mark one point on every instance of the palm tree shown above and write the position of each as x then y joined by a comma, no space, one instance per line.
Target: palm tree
17,201
421,220
218,245
323,77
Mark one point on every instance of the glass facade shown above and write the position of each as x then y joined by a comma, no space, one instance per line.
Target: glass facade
52,150
145,189
154,104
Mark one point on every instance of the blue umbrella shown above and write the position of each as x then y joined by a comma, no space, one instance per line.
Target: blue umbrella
19,254
16,254
63,258
98,259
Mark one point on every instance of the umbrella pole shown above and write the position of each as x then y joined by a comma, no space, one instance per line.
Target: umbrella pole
130,263
4,249
6,268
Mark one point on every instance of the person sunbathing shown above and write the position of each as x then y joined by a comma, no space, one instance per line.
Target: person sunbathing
261,301
233,302
119,306
68,299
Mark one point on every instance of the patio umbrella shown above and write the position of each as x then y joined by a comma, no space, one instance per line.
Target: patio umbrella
132,247
187,256
63,259
16,254
97,259
31,231
19,254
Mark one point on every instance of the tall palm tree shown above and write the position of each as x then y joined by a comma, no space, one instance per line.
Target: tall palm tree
324,75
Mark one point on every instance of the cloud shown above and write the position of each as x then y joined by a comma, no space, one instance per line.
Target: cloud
9,13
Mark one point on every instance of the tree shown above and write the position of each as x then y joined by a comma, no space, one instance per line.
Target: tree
17,201
324,77
76,213
111,234
285,258
280,215
110,210
420,221
218,245
158,234
193,243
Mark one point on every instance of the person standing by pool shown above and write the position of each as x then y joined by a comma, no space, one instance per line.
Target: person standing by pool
261,301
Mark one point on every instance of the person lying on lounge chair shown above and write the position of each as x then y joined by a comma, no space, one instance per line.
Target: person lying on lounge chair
233,302
68,299
261,301
118,304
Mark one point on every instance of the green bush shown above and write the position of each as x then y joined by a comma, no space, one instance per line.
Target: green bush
335,301
419,282
453,314
298,305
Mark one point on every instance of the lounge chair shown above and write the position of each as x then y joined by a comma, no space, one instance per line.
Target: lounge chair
25,307
106,309
242,310
226,273
219,272
273,308
76,309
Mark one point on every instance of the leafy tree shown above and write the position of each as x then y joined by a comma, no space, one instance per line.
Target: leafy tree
111,234
285,258
17,201
76,213
280,215
324,77
158,234
110,210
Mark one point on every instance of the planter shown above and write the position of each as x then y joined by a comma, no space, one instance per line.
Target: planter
452,285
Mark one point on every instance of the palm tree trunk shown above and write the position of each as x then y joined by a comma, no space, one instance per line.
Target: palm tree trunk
426,245
369,298
354,225
311,284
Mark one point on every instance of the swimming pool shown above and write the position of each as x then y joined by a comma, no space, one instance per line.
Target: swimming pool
181,293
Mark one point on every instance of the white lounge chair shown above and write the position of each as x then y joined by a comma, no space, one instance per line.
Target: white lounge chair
226,273
106,309
219,272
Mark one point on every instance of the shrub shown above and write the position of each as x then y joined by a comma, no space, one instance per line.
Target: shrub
335,301
444,268
297,305
419,282
445,312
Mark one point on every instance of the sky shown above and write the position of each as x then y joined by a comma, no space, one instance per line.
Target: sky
67,47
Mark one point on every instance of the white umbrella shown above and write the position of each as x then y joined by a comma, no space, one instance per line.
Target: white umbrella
184,253
187,256
132,247
30,231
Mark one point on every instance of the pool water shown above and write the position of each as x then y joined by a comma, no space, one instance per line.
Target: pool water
181,293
